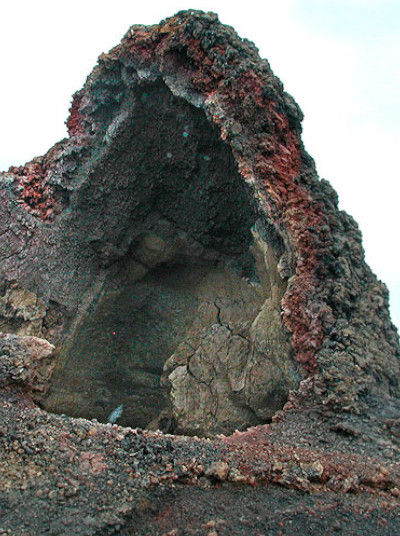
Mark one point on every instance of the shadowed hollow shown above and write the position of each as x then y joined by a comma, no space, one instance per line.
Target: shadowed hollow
185,331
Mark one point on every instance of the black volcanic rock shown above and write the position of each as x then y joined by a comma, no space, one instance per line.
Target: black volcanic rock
179,256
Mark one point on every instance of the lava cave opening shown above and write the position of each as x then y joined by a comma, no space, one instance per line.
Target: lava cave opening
185,329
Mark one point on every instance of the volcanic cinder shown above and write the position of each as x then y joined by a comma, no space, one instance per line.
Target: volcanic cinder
178,255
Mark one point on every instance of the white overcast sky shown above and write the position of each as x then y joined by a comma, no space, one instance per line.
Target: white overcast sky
340,59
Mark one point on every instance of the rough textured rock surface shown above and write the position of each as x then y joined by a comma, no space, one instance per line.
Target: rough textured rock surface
179,255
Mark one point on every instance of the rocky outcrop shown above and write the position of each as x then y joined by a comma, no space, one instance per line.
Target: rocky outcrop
179,256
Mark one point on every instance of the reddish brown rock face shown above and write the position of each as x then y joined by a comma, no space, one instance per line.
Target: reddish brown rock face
184,259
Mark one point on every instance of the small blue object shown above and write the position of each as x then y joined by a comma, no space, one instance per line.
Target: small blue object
115,414
206,157
169,155
185,134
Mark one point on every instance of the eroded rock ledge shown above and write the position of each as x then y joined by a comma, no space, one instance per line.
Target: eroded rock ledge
179,255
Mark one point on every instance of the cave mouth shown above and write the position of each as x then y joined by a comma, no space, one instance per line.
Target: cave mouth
185,332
